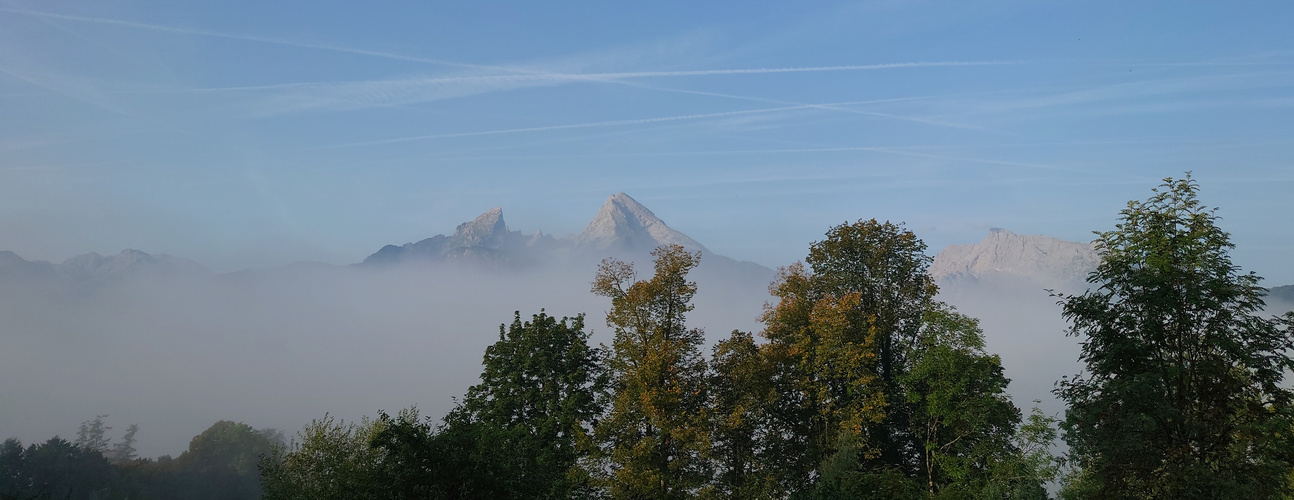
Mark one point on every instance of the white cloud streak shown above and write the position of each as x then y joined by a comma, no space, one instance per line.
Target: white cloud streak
611,123
240,36
306,96
927,121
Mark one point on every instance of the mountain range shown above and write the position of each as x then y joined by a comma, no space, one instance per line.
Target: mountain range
622,228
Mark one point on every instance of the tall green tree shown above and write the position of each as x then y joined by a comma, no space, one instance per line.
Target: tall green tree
541,387
656,432
1182,395
961,416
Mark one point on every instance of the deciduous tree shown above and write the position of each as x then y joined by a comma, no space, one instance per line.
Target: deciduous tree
540,391
839,338
962,418
656,432
741,398
328,459
1182,395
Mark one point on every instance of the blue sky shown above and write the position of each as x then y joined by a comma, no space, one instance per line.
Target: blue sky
254,134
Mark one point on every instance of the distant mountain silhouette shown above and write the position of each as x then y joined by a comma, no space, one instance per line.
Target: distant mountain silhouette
1283,293
484,239
622,228
92,268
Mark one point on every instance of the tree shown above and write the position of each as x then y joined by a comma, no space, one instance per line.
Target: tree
656,432
540,391
839,338
962,418
124,450
55,469
221,463
1182,394
1025,474
741,395
328,459
412,459
92,435
14,482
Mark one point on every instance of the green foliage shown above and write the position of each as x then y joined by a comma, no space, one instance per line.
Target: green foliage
415,461
839,339
885,265
878,391
1025,474
328,459
741,395
54,469
1182,395
656,432
517,434
962,419
842,477
530,416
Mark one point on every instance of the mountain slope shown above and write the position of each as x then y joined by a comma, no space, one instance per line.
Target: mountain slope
622,227
94,268
485,239
1003,254
623,224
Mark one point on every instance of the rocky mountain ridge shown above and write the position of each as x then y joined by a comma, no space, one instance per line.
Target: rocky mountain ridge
484,238
621,227
624,224
1004,254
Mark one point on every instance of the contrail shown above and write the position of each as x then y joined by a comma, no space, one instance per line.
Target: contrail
244,37
612,123
531,73
798,69
611,77
827,106
871,149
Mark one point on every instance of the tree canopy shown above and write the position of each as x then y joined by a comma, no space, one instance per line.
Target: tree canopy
656,429
1182,395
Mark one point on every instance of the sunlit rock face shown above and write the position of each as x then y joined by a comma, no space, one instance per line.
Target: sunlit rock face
1005,255
485,239
624,225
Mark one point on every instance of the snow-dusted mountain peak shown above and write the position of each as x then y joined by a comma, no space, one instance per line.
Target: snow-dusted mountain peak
624,224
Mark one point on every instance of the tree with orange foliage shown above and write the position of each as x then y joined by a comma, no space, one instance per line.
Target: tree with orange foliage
656,434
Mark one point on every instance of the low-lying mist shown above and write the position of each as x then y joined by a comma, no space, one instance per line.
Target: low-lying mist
277,348
1022,323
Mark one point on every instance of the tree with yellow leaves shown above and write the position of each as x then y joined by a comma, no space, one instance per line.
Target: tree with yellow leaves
656,433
